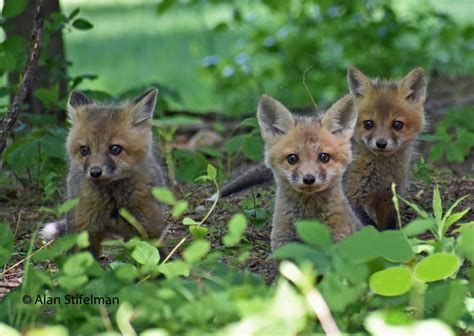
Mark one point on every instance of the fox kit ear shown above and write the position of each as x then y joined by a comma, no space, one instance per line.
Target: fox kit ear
358,82
340,119
76,99
144,106
414,86
273,118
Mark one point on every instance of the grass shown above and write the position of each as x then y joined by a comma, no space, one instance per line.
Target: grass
131,46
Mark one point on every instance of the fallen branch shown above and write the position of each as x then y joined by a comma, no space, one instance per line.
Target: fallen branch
28,77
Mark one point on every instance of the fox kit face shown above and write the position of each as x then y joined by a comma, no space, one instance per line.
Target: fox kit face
107,143
309,153
390,114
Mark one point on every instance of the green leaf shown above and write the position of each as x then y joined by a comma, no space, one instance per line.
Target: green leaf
13,8
68,205
7,62
419,211
253,147
418,226
198,232
164,195
174,269
391,282
126,272
189,221
394,246
453,219
302,253
6,330
437,207
359,247
237,226
196,251
179,209
78,263
455,154
71,283
6,243
338,294
314,233
465,244
82,24
145,254
211,172
74,13
57,248
436,267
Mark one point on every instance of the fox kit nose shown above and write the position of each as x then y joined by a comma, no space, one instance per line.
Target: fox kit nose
308,179
381,143
95,172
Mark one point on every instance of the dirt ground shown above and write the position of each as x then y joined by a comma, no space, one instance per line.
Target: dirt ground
24,216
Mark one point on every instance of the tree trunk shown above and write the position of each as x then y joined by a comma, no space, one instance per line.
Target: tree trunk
52,54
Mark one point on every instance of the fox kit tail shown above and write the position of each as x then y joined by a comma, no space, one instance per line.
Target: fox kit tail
255,176
52,230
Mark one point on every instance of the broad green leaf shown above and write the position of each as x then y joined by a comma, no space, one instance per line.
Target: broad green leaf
418,226
145,254
394,246
56,330
82,240
455,153
253,147
391,281
174,269
126,272
302,253
338,294
211,171
179,209
314,233
13,8
465,244
71,283
82,24
359,247
196,251
6,243
6,330
68,205
237,226
78,263
436,267
164,195
198,232
189,221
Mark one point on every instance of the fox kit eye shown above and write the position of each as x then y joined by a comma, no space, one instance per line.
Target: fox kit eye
115,149
398,125
292,159
324,157
84,150
368,124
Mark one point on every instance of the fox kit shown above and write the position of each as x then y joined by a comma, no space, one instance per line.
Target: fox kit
112,166
390,117
308,157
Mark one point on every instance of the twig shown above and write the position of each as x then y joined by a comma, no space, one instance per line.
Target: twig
28,77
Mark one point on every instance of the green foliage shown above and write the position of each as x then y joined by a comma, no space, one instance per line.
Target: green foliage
453,137
364,280
274,50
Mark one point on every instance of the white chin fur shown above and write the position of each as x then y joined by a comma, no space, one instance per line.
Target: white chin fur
49,231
